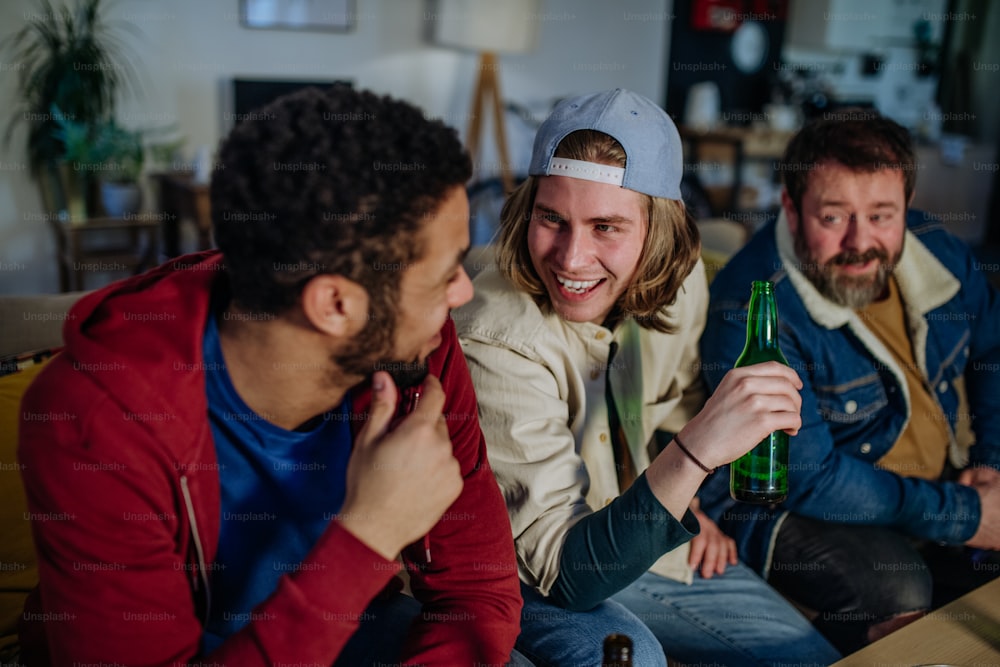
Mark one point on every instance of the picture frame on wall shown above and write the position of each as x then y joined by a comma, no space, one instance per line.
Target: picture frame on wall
321,15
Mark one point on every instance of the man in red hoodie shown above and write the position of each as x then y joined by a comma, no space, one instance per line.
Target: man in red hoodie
252,439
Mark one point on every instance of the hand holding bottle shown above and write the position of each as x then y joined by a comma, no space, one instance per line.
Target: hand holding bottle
400,480
750,403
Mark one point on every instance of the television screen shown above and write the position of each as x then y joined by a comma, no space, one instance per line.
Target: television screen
251,94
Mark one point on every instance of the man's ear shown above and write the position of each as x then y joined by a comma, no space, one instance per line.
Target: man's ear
335,305
791,213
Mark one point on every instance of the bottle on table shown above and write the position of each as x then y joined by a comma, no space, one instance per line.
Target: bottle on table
761,475
617,651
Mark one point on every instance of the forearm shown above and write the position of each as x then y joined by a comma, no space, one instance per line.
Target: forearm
851,491
469,589
951,512
606,551
674,478
314,612
465,572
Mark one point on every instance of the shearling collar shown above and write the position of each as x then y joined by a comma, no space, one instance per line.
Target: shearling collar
924,283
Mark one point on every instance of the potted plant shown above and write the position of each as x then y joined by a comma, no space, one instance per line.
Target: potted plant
74,166
107,152
71,60
118,165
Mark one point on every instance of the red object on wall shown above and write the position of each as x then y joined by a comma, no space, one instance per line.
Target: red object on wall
716,14
727,15
771,10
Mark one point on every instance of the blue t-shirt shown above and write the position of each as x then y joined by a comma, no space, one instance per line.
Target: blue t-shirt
280,489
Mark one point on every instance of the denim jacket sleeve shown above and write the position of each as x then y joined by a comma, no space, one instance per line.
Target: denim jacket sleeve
980,307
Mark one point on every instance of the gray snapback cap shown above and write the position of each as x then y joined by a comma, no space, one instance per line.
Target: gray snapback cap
654,162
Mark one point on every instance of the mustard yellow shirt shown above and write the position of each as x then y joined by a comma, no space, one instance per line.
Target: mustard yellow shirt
922,447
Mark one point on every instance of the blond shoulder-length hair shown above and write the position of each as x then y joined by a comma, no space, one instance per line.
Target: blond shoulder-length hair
669,253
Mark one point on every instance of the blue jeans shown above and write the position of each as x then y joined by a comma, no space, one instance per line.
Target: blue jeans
379,639
735,620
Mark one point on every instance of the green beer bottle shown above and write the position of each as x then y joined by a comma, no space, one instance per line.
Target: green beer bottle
761,475
617,651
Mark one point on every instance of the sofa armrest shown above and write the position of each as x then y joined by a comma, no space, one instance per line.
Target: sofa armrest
33,322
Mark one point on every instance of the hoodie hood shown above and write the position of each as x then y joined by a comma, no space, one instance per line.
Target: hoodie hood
135,339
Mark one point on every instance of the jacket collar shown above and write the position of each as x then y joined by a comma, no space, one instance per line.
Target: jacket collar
924,282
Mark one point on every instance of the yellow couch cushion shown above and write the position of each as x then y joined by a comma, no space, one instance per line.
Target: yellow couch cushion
18,570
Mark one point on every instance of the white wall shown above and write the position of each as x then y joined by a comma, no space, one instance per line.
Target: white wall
189,48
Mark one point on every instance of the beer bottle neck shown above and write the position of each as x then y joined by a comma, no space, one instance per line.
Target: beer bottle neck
762,320
762,327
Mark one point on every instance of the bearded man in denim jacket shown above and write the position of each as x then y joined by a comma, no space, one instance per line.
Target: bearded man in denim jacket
895,333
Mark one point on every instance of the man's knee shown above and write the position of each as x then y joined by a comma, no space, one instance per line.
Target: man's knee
860,580
844,568
879,630
891,592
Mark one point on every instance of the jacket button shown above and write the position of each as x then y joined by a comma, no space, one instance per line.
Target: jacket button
866,447
604,437
594,374
943,387
600,335
851,407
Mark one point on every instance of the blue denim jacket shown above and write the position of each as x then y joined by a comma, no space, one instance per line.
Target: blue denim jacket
855,401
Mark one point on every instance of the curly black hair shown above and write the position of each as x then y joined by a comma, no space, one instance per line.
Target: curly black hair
334,181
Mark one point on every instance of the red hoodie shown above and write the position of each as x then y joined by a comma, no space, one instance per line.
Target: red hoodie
123,492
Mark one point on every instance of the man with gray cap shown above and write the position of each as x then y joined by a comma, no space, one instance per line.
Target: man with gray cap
582,341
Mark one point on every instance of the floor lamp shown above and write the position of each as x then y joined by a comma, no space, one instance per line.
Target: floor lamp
488,27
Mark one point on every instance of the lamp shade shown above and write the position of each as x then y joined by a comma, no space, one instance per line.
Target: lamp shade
497,26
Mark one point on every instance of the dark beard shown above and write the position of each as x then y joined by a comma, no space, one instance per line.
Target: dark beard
370,351
360,361
847,291
405,374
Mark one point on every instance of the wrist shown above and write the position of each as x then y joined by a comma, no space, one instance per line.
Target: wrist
672,463
695,458
369,532
674,479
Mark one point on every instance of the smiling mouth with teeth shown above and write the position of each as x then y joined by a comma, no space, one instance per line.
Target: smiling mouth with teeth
577,286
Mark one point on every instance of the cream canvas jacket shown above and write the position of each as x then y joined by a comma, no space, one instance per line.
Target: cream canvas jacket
540,384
